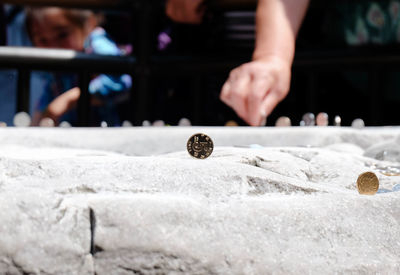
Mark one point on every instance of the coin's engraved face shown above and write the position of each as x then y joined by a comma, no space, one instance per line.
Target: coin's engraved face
367,183
200,146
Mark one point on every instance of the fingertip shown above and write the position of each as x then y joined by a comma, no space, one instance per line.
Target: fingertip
263,121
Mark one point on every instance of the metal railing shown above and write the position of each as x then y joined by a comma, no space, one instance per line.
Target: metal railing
144,65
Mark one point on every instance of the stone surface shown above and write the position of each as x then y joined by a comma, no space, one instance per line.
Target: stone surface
94,201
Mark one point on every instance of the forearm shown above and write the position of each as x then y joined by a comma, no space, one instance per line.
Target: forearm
62,104
277,24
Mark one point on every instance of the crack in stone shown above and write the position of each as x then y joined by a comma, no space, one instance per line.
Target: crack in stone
20,268
134,271
256,162
93,247
92,219
307,156
263,186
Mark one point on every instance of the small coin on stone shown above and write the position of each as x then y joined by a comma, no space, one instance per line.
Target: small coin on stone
126,123
158,123
283,121
367,183
146,123
358,123
200,146
65,124
46,122
22,119
322,119
337,121
184,122
231,123
309,119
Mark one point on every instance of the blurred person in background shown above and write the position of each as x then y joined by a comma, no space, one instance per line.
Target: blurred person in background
78,30
254,89
16,35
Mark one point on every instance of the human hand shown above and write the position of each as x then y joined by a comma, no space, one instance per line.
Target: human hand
185,11
254,89
62,104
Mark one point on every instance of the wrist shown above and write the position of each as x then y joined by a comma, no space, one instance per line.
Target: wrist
273,58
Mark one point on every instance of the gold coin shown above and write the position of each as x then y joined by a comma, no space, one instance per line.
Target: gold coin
231,123
200,146
367,183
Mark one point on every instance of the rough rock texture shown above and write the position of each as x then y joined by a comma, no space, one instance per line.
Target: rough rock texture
291,207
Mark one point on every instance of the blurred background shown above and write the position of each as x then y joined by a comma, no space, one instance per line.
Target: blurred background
178,69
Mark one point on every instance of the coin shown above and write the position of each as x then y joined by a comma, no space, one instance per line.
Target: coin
46,122
65,124
283,121
322,119
367,183
146,123
158,123
337,121
184,122
358,123
309,119
22,119
200,146
231,123
127,123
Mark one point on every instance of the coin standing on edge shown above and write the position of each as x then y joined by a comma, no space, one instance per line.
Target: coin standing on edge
200,146
283,121
322,119
367,183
